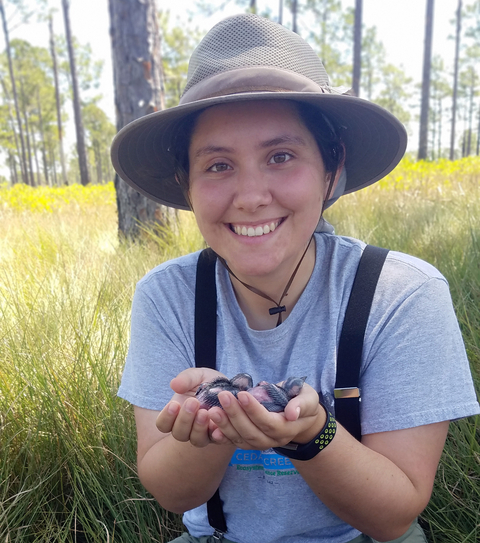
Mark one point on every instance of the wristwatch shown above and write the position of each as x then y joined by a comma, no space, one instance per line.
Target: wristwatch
307,451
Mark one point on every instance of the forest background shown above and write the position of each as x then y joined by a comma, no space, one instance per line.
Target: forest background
326,24
67,443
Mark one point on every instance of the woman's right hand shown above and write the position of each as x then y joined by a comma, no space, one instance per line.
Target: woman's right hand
182,416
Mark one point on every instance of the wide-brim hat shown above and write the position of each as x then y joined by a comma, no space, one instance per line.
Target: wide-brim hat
244,58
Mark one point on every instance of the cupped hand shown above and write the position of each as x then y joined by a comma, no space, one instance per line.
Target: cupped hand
245,423
182,416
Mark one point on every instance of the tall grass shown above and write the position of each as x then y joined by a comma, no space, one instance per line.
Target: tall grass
67,443
433,211
67,456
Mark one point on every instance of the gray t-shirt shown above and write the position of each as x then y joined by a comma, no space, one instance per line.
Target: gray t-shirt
414,372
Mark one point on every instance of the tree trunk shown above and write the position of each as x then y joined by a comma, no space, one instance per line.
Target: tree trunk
13,168
35,156
52,157
80,133
42,139
98,161
470,112
12,124
427,62
30,176
478,133
357,48
53,52
23,161
137,72
439,141
455,79
294,15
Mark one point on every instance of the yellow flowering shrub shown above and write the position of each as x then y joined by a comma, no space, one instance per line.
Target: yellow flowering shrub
441,177
22,197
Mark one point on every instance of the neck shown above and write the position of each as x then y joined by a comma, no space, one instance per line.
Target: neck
256,308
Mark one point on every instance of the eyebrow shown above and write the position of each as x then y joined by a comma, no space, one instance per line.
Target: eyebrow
279,140
211,149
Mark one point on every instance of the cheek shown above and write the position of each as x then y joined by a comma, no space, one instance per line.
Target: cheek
201,196
307,194
209,203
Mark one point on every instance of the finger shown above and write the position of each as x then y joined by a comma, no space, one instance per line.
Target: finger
292,411
182,427
224,430
306,404
275,429
238,425
216,435
166,417
200,436
219,437
190,379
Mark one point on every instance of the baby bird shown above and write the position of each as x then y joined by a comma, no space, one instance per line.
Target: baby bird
273,397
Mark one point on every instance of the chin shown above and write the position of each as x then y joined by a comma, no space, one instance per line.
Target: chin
257,268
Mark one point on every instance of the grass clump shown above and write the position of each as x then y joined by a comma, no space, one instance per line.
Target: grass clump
68,444
432,211
67,447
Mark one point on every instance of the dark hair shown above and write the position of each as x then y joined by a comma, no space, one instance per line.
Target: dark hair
327,137
181,139
328,141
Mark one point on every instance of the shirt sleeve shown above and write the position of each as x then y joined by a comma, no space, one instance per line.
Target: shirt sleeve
415,368
161,342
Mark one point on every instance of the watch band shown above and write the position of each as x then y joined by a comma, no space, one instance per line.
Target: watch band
307,451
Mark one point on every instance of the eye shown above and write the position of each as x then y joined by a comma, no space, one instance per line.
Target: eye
218,167
280,158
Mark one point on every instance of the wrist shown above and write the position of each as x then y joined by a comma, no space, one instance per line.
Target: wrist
307,451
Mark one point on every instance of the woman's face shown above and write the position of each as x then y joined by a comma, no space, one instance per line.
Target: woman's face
257,185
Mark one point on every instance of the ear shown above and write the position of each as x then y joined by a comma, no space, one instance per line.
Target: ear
186,193
338,188
338,155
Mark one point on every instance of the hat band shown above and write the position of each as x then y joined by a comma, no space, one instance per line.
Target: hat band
256,79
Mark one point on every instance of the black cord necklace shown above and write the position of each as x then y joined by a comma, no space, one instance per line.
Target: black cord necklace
278,309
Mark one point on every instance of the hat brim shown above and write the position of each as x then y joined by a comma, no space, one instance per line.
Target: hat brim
374,139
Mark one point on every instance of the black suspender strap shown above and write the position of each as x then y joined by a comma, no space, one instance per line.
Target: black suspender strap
206,353
349,358
347,392
206,311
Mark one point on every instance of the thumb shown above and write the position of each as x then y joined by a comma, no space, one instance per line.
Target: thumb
304,405
191,378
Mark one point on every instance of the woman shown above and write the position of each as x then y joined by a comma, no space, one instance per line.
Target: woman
259,146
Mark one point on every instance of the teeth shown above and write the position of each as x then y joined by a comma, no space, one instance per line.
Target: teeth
254,232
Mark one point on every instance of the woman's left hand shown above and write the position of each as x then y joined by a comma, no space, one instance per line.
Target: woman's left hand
246,423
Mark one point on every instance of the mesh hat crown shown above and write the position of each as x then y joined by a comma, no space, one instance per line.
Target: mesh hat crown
246,57
247,42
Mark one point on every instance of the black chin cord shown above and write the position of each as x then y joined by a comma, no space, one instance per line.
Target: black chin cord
278,309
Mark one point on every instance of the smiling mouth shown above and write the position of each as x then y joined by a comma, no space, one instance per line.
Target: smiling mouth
254,231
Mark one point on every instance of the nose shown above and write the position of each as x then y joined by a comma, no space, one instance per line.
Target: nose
252,190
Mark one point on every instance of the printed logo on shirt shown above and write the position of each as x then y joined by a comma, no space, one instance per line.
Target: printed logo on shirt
268,462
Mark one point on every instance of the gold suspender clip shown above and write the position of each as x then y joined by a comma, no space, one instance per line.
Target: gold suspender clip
348,392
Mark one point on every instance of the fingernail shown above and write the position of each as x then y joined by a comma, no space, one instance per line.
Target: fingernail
226,400
172,409
190,407
297,411
201,417
244,399
215,417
